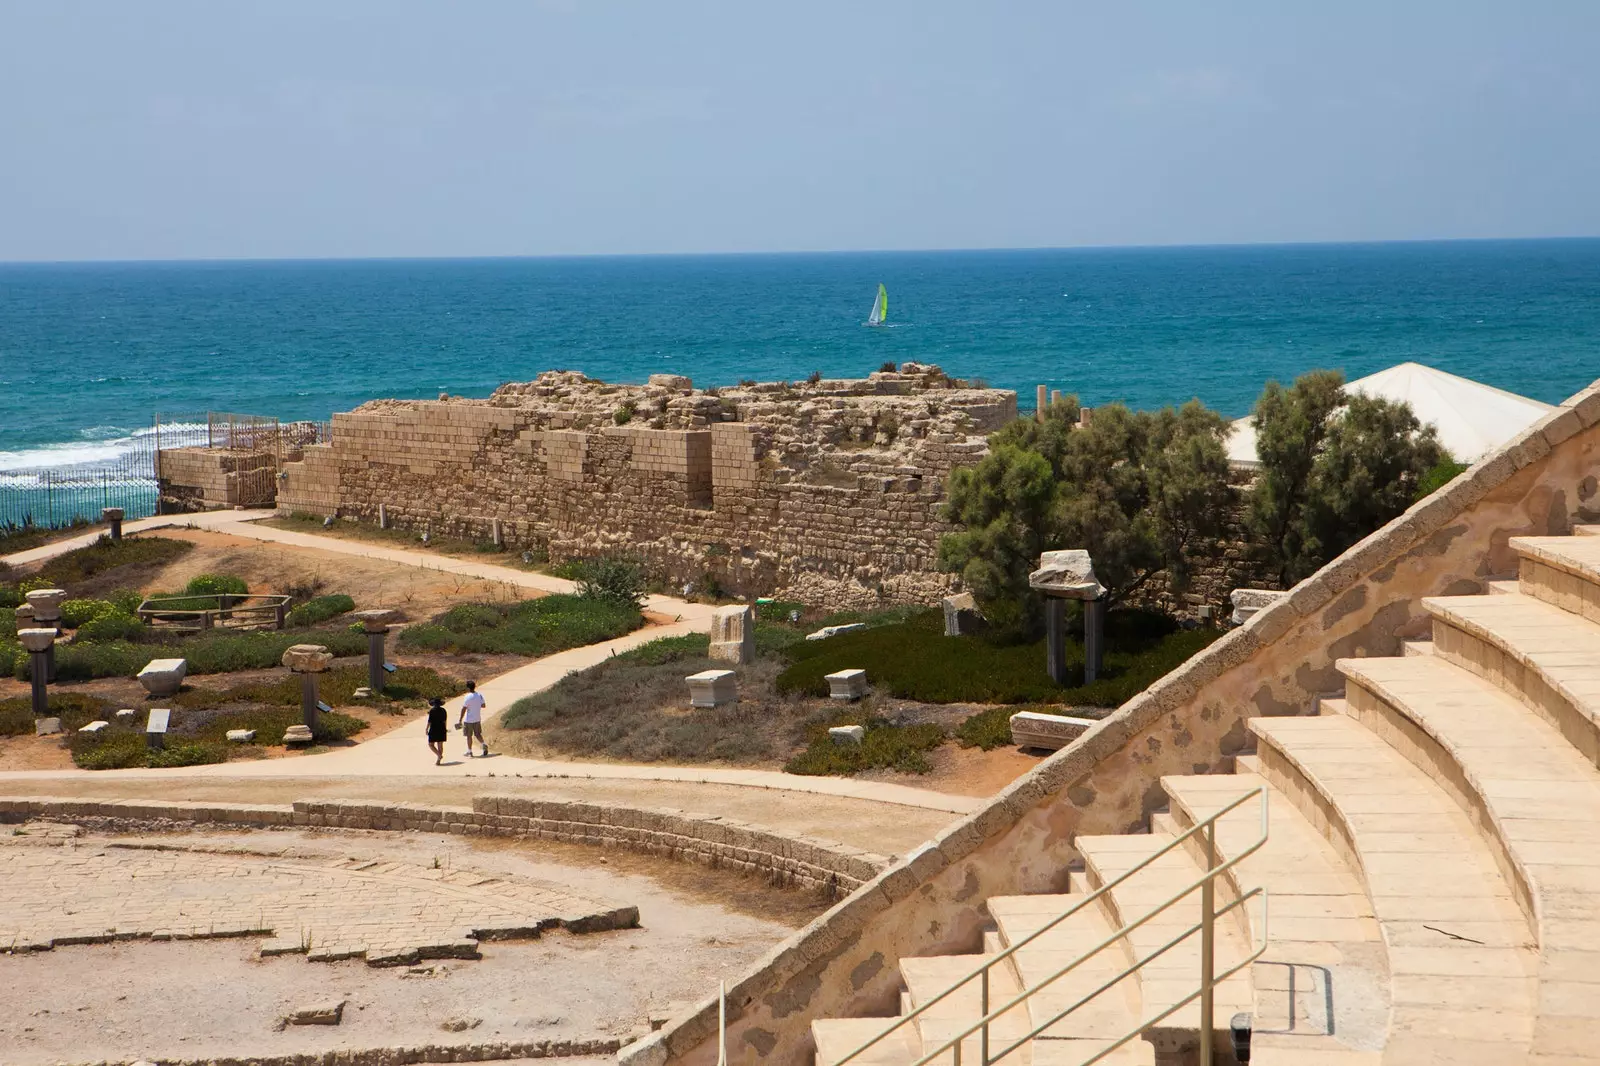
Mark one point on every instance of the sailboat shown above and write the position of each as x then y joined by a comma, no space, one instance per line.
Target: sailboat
880,307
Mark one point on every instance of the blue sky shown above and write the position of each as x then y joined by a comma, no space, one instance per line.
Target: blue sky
193,130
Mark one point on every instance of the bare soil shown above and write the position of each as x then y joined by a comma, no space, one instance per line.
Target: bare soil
200,999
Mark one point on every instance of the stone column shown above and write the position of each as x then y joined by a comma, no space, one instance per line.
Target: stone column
1055,639
308,660
1062,576
376,626
1040,396
46,604
39,643
113,517
497,534
1094,638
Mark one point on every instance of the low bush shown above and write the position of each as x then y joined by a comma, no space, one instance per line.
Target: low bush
914,660
208,653
115,624
10,596
530,627
612,580
75,613
74,709
408,684
270,723
121,750
105,554
216,585
885,746
321,609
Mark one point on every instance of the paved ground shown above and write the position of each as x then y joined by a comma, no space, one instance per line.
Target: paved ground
63,889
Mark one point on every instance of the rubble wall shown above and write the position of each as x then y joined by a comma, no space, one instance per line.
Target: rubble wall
1366,602
827,492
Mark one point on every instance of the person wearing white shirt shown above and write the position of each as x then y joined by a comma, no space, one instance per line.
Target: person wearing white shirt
471,720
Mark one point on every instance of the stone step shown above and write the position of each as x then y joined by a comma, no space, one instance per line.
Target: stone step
1325,954
928,977
1416,647
1458,946
1548,658
1107,1015
1564,571
1537,800
836,1038
1506,587
1173,975
1586,531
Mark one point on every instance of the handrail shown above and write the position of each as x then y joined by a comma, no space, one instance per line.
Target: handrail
1205,883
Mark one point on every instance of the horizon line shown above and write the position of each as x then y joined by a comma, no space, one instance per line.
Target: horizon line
510,257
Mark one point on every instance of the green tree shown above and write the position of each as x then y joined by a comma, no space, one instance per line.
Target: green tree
1145,493
1335,466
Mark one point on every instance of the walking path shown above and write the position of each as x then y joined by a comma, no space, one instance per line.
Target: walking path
404,751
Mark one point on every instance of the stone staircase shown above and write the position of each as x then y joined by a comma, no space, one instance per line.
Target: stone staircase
1433,868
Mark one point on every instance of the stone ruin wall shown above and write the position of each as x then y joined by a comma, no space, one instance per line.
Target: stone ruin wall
827,492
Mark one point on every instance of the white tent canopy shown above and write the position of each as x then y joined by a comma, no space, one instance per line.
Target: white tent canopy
1472,419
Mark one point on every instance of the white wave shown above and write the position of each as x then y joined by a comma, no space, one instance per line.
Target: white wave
96,452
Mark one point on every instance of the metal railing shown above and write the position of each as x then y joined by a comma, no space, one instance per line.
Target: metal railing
1206,832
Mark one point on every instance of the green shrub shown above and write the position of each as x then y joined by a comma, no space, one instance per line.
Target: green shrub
74,709
126,600
531,627
105,554
613,581
408,684
75,613
208,653
914,660
120,750
885,746
270,723
1438,476
10,596
115,624
321,609
216,585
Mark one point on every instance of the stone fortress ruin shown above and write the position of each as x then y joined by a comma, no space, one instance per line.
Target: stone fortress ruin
823,490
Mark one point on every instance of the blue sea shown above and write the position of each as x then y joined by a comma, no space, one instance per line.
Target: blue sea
89,352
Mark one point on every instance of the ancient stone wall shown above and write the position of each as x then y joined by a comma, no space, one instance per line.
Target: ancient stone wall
194,479
1366,602
825,491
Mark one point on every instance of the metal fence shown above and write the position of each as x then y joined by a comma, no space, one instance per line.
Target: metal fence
51,496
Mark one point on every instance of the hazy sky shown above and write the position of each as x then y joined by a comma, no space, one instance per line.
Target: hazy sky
161,129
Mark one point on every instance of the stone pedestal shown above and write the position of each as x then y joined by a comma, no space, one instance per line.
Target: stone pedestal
713,688
112,516
1069,575
164,677
46,604
846,684
1246,602
307,660
39,643
733,635
961,615
376,626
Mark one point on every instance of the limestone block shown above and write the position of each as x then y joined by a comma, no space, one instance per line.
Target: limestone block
1246,602
671,381
24,615
733,634
961,615
298,734
44,727
376,621
307,658
95,727
36,639
1068,574
243,736
163,677
46,604
713,688
846,684
330,1013
832,631
846,734
127,714
1035,729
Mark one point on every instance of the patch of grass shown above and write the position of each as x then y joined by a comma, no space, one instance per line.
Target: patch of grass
121,750
74,709
531,627
20,537
271,722
914,660
76,612
207,653
321,609
346,529
104,555
885,746
407,686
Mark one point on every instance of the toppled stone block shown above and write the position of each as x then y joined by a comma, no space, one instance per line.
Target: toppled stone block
241,736
330,1013
832,631
362,693
164,677
733,635
1068,574
713,688
46,604
846,684
36,639
846,734
307,658
1051,732
1246,602
44,727
298,734
961,615
460,1025
95,727
127,714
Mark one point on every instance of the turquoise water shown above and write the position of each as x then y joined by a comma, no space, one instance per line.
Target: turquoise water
89,351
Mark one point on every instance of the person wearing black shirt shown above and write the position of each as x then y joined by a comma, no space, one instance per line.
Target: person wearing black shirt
438,729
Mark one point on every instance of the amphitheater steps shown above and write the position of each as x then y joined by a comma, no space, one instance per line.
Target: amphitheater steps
929,976
837,1037
1321,989
1536,800
1564,571
1546,657
1458,945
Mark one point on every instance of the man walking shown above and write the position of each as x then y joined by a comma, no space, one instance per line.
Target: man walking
471,721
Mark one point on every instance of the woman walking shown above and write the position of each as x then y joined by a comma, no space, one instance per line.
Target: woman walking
438,729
